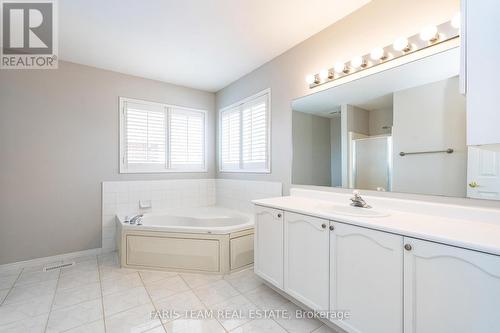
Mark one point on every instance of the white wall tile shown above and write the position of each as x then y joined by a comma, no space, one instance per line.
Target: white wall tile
123,197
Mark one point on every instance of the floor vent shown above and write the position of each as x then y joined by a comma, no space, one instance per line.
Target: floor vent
50,268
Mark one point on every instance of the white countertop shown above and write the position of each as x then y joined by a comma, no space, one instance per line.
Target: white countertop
481,236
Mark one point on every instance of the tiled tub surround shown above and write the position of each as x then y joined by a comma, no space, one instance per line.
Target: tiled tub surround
123,198
96,295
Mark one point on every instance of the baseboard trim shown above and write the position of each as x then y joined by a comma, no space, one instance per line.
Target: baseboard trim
44,260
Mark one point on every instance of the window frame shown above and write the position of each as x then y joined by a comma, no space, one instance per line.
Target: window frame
125,168
268,168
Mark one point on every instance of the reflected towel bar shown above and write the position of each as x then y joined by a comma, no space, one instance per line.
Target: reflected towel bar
447,151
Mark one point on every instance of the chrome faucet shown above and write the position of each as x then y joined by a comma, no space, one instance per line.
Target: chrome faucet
137,219
358,201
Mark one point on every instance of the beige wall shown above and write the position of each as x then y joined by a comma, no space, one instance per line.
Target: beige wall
430,117
358,120
376,24
378,119
58,142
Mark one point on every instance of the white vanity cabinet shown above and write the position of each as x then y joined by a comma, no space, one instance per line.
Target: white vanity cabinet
269,245
480,70
306,259
388,282
449,289
366,269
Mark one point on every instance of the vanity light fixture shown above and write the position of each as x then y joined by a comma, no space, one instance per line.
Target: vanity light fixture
358,62
311,79
428,37
340,68
429,34
402,45
325,74
378,54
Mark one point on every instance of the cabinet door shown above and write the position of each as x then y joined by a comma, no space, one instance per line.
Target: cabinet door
450,290
306,259
366,269
482,53
269,245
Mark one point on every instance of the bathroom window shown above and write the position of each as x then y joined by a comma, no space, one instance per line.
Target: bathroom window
244,135
157,137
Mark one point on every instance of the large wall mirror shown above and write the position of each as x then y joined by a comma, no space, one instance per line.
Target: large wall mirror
401,130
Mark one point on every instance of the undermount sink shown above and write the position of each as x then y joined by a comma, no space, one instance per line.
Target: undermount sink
351,211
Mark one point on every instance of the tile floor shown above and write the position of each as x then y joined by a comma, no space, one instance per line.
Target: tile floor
96,295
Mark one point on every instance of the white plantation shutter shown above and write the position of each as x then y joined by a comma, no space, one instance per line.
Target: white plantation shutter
230,139
244,135
187,144
145,134
254,145
157,137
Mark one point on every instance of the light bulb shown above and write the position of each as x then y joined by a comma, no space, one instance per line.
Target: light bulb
358,62
402,44
339,67
377,54
310,79
323,74
429,34
456,21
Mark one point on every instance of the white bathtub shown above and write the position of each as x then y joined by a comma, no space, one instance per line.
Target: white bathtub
203,239
212,220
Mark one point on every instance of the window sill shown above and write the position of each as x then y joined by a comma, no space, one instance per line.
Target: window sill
162,171
246,171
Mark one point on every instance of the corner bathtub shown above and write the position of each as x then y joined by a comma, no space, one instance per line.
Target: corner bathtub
202,239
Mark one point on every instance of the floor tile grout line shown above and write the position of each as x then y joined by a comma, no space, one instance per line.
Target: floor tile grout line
75,287
261,308
144,286
12,286
229,282
151,299
239,294
78,303
52,304
204,304
72,328
124,291
102,295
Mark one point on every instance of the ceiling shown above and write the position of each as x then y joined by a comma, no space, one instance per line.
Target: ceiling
374,91
196,43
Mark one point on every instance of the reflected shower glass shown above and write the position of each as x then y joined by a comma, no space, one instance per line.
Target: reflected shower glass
371,163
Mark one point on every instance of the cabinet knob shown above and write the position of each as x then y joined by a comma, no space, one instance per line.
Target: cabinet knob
473,184
279,215
332,228
408,247
323,225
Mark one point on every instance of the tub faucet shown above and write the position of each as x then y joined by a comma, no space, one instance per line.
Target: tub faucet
358,201
136,219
